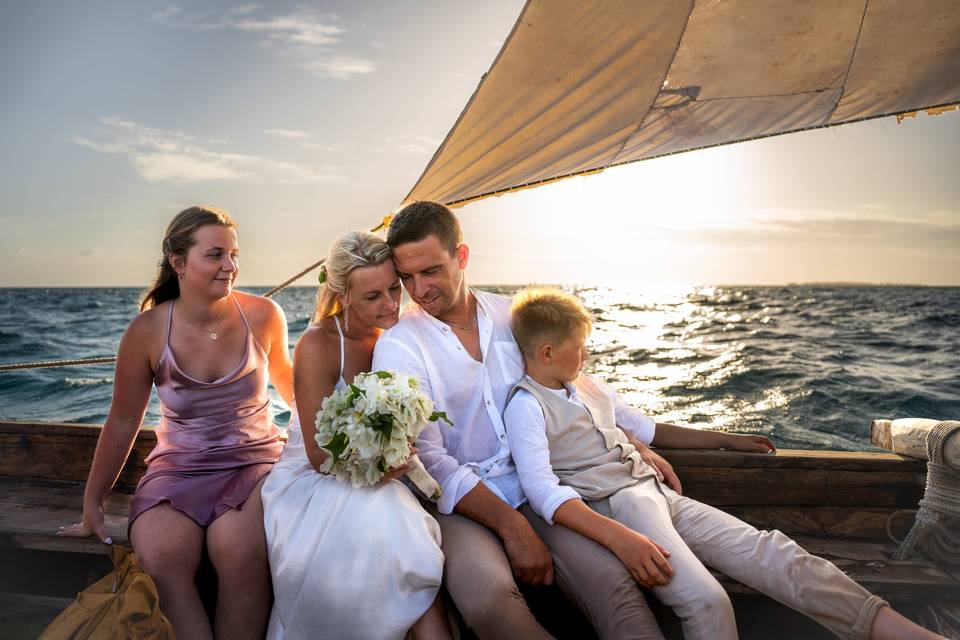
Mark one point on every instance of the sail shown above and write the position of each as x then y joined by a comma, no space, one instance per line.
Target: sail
580,86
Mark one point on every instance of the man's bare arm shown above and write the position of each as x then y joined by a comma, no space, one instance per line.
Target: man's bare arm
529,557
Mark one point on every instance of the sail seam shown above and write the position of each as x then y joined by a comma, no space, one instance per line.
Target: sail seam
853,55
663,79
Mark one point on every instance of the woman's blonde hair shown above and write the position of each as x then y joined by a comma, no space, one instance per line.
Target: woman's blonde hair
176,242
350,251
546,315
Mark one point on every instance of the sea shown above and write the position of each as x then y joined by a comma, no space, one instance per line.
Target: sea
808,365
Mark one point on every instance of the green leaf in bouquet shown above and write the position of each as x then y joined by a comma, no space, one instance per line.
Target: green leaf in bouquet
382,423
381,466
440,415
337,446
383,374
355,392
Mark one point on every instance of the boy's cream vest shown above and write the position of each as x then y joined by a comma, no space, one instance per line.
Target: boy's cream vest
588,452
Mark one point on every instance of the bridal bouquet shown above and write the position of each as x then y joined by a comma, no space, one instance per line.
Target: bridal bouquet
368,427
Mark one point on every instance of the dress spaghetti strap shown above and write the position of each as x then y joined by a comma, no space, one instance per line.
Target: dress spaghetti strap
340,333
242,314
166,340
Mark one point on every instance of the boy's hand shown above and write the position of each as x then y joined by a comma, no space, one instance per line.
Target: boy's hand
663,468
749,443
644,559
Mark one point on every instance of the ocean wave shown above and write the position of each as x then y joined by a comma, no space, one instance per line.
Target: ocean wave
810,366
86,382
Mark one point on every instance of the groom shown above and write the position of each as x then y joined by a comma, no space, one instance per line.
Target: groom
458,342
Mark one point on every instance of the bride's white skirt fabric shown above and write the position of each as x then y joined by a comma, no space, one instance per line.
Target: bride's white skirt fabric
346,563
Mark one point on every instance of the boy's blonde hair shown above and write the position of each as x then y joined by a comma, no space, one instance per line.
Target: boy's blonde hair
541,315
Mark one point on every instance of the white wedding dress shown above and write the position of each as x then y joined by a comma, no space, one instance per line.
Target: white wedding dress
346,563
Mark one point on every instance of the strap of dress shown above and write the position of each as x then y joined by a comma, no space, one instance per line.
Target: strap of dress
169,323
242,314
340,333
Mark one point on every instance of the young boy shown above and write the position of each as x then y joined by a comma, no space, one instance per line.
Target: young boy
583,463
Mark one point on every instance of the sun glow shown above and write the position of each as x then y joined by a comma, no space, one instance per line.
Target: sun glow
618,226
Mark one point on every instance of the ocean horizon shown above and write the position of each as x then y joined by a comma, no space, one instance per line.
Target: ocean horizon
809,364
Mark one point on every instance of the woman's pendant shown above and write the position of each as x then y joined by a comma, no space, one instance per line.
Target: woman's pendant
214,336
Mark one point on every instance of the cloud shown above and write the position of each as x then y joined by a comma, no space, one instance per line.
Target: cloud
839,230
335,147
414,143
160,155
340,66
309,38
289,134
303,139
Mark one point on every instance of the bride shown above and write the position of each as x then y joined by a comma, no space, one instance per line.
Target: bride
346,562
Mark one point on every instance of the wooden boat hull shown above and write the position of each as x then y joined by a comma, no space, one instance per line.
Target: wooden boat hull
837,504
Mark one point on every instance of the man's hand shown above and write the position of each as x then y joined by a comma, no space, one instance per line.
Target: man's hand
529,557
749,443
644,559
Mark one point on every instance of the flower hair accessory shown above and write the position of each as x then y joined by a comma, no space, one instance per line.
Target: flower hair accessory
323,274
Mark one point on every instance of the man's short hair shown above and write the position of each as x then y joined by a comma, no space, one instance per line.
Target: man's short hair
546,315
418,220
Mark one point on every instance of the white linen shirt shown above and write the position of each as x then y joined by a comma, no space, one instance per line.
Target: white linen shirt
473,395
527,437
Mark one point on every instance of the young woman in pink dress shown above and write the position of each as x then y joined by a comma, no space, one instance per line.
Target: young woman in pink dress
210,351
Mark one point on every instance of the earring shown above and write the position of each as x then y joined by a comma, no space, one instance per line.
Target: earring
180,275
346,319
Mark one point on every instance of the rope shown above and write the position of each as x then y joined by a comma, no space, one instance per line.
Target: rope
57,363
936,524
112,359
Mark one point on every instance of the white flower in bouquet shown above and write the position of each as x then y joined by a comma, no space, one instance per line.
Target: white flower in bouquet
368,427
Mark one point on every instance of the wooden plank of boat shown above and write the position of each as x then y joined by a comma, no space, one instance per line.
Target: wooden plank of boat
31,513
61,451
843,498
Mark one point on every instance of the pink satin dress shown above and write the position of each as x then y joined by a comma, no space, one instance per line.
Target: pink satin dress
215,440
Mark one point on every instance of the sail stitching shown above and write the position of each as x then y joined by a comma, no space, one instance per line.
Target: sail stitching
853,55
663,79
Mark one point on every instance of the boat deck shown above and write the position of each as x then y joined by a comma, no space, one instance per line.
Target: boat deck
836,504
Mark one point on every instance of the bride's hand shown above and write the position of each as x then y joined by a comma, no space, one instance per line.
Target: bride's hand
399,471
90,524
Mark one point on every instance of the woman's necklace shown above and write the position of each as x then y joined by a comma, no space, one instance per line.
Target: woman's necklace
203,326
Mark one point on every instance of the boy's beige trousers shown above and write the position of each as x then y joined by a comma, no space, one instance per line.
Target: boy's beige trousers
696,534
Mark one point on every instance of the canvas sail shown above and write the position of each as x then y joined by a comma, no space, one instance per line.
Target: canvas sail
580,86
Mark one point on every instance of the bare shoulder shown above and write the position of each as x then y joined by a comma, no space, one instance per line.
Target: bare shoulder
257,308
318,342
150,324
146,333
317,355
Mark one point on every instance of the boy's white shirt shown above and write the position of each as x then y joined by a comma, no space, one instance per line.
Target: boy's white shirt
527,437
473,395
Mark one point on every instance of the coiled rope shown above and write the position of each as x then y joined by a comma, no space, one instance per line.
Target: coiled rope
112,359
935,529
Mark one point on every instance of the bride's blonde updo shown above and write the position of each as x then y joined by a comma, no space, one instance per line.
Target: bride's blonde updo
351,250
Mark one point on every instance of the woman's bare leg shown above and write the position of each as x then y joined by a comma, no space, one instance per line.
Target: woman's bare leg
890,625
238,550
433,624
169,545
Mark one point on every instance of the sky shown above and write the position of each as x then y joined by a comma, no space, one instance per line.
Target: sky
305,120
